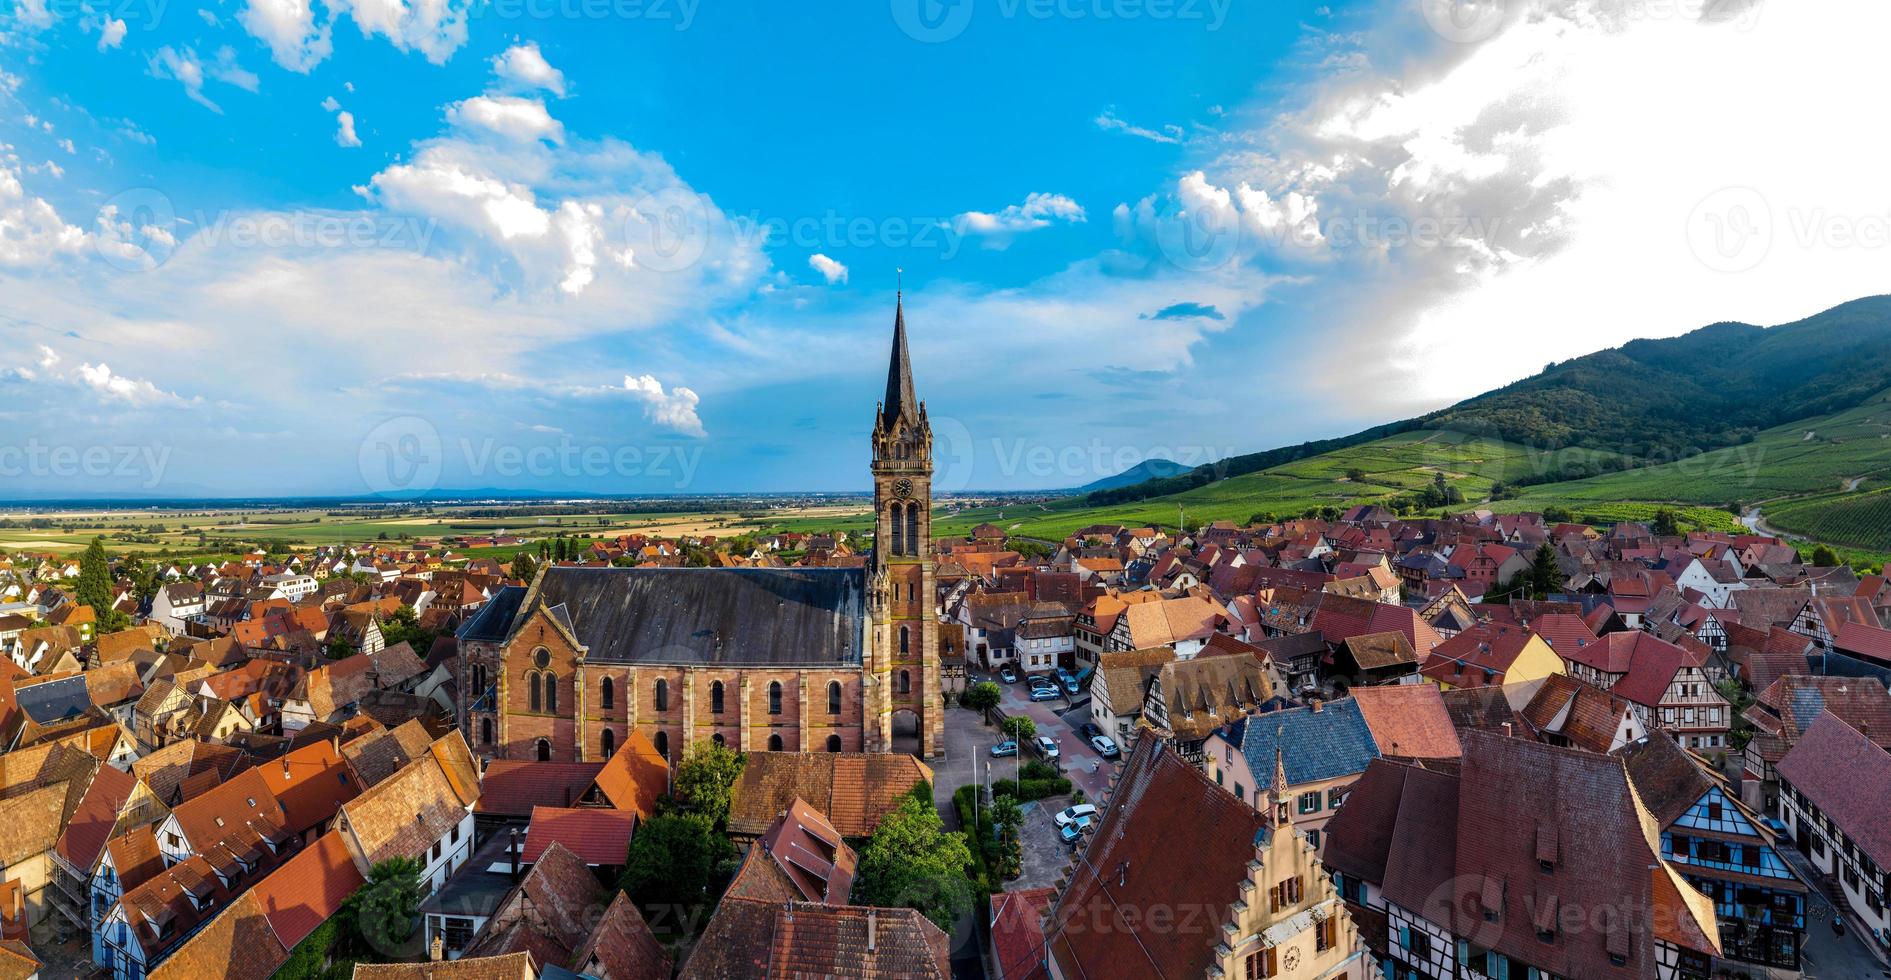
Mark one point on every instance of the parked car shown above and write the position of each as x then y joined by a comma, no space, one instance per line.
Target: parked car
1044,694
1041,680
1067,679
1105,746
1072,832
1048,746
1082,811
1008,673
1004,749
1089,729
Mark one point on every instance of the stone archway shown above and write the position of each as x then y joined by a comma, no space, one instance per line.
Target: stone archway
906,731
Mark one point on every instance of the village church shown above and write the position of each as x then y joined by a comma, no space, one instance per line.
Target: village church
758,659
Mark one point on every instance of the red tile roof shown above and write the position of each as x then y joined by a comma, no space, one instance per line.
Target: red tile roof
1133,863
1848,778
311,783
599,836
92,822
512,787
1017,930
308,888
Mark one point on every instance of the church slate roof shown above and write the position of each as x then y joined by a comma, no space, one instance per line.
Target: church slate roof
793,617
492,622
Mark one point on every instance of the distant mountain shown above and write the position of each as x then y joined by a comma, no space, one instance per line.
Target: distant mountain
1648,401
1148,469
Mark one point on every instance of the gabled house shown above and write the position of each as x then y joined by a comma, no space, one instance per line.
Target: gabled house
1724,851
423,812
1323,747
1832,791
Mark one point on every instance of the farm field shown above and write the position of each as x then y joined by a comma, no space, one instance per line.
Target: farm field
1858,520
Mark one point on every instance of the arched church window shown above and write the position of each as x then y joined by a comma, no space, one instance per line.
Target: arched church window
607,693
912,529
906,639
774,743
906,682
833,697
551,693
544,750
774,697
715,697
833,743
531,693
662,694
608,742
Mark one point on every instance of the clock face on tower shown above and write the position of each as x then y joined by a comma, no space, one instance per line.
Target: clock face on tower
1292,960
902,488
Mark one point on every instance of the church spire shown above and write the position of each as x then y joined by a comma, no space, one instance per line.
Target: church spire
900,401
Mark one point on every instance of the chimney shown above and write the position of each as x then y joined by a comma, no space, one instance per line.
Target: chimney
872,927
438,949
513,852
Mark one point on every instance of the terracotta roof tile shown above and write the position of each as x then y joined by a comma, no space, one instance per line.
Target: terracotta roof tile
598,836
237,945
622,945
854,789
635,776
747,938
308,888
403,815
1408,721
1848,778
512,787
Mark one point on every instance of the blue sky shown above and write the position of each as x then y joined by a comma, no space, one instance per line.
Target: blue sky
289,246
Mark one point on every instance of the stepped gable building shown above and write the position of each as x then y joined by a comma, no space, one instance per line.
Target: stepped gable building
775,659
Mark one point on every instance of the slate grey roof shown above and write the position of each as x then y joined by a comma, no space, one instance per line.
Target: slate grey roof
1317,745
799,617
494,619
55,701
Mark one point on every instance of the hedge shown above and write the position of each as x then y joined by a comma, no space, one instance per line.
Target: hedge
1031,789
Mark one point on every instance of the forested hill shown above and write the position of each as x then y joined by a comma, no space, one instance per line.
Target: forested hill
1647,401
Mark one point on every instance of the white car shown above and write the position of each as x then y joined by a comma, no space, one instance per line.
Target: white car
1047,745
1081,811
1105,746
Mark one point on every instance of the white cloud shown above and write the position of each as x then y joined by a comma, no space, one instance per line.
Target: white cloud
832,271
50,168
523,64
48,358
674,410
226,70
209,17
524,120
1570,185
184,67
1038,211
288,27
345,130
112,34
1168,134
31,231
66,145
35,14
435,28
136,391
330,105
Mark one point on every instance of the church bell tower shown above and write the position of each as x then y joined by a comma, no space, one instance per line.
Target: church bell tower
905,700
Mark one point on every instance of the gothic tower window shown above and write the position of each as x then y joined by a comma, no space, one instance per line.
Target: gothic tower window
833,697
662,693
485,731
662,742
715,698
898,529
906,682
551,693
544,750
774,697
608,742
912,529
906,639
531,696
607,695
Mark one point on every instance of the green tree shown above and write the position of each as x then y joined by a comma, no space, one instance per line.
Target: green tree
1557,515
983,696
912,861
1020,727
1356,475
1824,557
383,912
704,778
523,567
403,626
673,862
95,578
1665,524
1546,576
